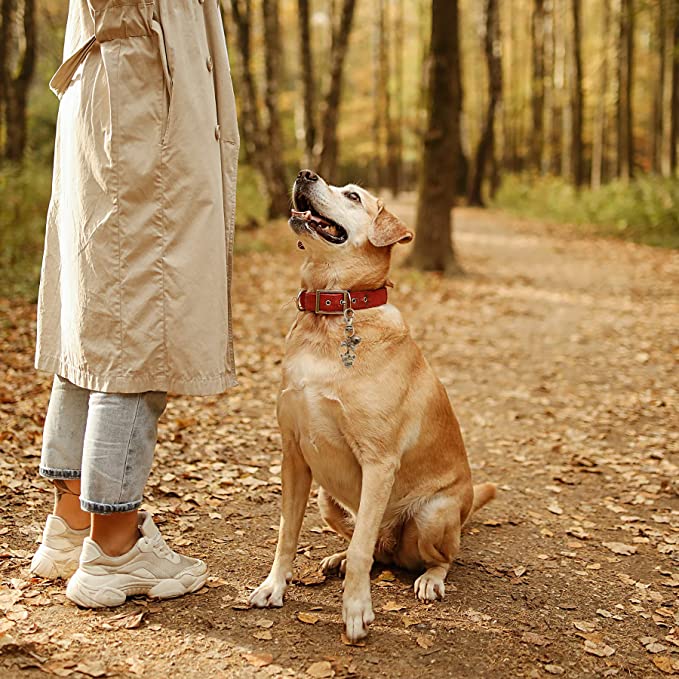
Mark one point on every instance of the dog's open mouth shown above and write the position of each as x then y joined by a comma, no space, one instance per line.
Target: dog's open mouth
323,226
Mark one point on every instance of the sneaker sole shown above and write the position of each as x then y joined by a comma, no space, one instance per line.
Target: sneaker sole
47,564
107,591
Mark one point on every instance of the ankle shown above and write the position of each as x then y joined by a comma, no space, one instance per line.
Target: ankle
116,533
75,522
117,545
67,504
70,512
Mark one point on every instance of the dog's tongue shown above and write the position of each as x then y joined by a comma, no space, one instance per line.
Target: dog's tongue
308,217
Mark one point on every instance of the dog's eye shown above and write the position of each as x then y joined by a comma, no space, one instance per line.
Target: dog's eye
352,195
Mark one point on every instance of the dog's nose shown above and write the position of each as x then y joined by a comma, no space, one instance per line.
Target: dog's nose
308,175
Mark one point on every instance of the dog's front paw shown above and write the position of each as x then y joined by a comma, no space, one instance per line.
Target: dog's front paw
429,587
269,594
335,563
358,615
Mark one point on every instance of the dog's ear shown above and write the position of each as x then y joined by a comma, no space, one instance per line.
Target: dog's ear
387,229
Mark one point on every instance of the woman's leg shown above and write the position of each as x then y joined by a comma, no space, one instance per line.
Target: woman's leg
126,554
62,449
120,440
68,525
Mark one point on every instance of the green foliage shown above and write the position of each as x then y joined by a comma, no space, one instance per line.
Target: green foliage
24,197
645,211
251,199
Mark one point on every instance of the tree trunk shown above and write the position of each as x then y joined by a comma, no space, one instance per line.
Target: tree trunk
5,20
655,127
462,173
380,95
674,136
16,87
599,141
577,98
424,30
395,129
538,82
309,88
251,126
486,148
565,75
257,146
547,161
625,83
327,163
433,249
279,187
669,103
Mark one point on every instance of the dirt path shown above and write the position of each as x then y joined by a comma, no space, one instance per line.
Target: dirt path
559,356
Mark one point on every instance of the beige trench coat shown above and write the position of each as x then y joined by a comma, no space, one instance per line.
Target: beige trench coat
136,275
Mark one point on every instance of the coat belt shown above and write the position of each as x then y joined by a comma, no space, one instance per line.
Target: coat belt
113,21
64,74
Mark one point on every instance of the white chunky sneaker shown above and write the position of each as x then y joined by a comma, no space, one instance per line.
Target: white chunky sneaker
59,551
149,568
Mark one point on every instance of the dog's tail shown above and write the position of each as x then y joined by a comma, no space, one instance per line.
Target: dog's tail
483,494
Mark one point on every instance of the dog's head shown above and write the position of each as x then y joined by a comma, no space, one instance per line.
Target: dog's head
346,231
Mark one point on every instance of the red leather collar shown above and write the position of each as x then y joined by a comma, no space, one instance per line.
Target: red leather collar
335,301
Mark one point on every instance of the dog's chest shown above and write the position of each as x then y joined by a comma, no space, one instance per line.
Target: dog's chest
310,405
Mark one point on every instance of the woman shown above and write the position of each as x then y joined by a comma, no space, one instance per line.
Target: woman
134,294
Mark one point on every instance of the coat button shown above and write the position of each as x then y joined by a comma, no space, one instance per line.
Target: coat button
218,133
209,63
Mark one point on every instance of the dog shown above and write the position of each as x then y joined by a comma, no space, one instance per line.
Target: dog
366,418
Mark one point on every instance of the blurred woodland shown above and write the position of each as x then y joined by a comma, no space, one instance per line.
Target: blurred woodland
560,109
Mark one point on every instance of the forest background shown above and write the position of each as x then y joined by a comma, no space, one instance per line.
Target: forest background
558,109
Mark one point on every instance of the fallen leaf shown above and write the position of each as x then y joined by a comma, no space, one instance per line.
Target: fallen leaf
308,618
259,659
600,649
620,548
264,622
408,621
584,626
392,606
264,635
656,648
320,670
535,639
93,668
425,640
345,640
554,669
554,508
17,614
215,582
311,576
664,664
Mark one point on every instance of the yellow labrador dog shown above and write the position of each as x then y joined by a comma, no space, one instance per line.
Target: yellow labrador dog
367,419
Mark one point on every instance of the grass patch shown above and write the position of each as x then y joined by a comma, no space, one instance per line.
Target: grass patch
644,211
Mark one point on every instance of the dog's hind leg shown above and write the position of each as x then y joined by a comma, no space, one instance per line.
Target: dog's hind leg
431,540
341,522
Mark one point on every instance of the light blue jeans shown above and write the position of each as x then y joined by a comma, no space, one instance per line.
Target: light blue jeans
106,440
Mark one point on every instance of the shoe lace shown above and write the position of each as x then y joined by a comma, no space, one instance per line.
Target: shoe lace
160,547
